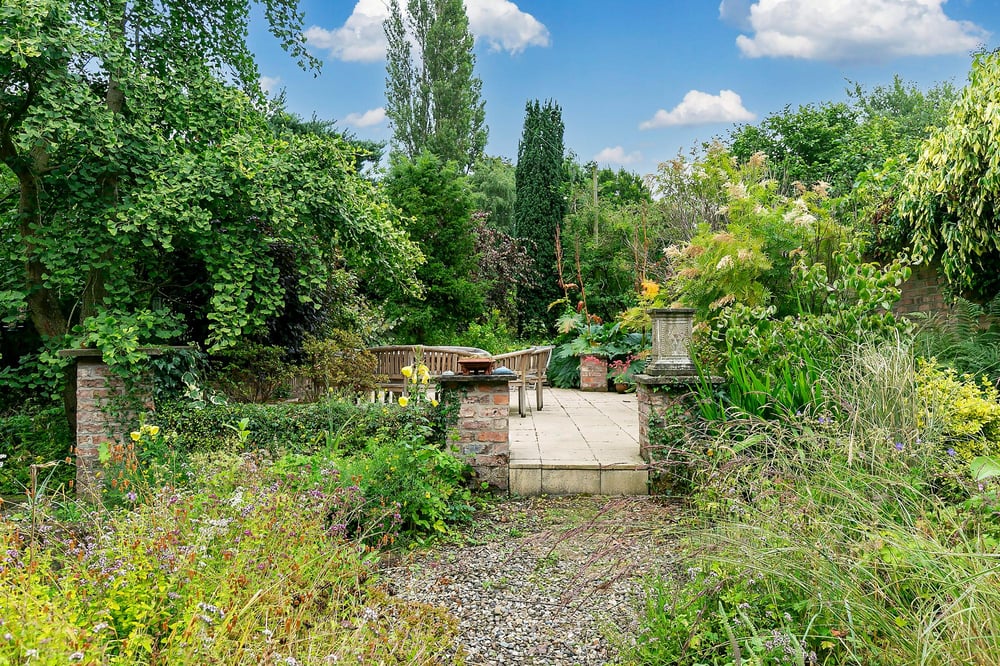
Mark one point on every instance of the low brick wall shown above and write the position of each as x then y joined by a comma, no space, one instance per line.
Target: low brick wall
483,423
656,396
593,374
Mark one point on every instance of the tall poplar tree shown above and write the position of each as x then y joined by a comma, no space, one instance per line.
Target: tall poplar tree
540,205
432,95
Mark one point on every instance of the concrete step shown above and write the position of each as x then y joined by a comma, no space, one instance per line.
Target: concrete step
568,478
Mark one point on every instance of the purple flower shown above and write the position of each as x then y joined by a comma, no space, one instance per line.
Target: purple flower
900,446
131,497
951,452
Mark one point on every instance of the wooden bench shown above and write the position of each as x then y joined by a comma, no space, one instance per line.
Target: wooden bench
393,358
530,366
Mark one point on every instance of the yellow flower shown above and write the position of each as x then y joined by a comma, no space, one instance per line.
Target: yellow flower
403,401
154,430
427,495
135,435
423,369
424,379
407,371
434,403
650,289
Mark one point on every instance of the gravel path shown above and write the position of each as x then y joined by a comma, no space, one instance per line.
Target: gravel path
555,580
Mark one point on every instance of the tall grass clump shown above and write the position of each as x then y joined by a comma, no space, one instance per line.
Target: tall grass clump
832,541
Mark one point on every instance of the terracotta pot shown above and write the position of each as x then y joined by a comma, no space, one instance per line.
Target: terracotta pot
621,388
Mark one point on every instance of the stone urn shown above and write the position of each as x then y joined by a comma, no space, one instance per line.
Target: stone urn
672,328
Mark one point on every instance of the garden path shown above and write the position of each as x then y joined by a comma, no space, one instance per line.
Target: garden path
581,442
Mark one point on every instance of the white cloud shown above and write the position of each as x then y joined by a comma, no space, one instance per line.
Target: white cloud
362,39
268,83
366,119
855,30
698,108
504,26
617,155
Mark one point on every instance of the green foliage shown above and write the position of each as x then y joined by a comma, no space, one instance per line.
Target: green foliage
958,340
775,363
33,437
239,567
420,484
803,145
494,192
432,95
540,207
339,363
251,372
690,191
493,335
295,427
766,235
795,548
147,182
950,196
608,240
435,199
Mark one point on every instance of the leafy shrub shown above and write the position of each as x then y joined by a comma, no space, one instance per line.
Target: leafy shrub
251,372
339,363
423,484
296,427
33,438
962,417
492,334
776,364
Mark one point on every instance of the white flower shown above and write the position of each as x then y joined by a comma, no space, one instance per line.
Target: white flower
724,263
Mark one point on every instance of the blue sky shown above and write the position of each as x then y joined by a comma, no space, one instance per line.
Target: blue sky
638,81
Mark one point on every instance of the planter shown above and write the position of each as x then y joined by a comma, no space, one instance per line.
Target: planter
593,374
621,388
672,329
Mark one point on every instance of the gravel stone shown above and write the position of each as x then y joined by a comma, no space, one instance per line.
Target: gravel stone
546,580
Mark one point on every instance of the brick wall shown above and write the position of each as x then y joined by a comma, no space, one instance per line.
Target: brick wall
483,423
655,395
593,374
922,292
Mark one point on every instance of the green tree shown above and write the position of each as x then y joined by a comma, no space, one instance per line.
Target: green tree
951,196
803,145
146,183
433,98
494,191
435,199
540,206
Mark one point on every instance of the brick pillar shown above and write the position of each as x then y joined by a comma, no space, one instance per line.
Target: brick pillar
593,373
96,386
483,423
656,396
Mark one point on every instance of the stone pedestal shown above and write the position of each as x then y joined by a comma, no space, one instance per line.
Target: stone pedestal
483,423
593,373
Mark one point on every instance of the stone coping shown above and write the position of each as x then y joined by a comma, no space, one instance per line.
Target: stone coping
675,380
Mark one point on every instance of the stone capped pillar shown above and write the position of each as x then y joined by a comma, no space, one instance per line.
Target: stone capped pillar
593,373
483,423
96,387
657,398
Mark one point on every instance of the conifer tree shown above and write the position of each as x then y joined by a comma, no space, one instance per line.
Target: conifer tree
432,95
540,206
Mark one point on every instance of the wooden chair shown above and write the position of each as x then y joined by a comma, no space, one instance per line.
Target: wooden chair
529,366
